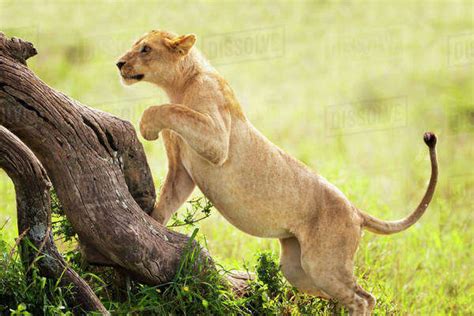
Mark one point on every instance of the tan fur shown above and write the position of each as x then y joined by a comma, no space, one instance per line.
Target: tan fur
254,184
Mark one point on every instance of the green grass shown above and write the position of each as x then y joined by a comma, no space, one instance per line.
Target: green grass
346,88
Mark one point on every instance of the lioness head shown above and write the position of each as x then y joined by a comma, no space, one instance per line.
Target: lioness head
155,57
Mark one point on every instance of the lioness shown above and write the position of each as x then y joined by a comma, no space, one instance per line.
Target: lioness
254,184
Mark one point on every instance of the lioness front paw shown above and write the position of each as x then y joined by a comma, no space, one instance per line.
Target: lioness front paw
159,218
149,133
148,127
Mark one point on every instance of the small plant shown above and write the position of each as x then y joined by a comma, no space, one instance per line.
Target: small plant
62,228
200,205
268,272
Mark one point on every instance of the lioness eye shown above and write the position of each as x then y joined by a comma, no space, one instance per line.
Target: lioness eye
145,49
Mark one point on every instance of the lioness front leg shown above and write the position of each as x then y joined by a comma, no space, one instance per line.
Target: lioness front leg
206,133
178,184
176,189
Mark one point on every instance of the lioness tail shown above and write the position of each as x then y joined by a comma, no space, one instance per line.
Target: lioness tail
390,227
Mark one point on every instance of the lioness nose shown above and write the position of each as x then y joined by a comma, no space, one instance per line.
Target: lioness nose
120,64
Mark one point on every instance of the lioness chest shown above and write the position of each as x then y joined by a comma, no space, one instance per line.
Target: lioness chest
259,188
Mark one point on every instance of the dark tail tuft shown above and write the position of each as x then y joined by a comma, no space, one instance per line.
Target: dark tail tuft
430,139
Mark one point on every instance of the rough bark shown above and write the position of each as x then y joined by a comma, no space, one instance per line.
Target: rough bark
34,219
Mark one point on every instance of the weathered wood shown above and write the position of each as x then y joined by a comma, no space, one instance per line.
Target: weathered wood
34,219
98,168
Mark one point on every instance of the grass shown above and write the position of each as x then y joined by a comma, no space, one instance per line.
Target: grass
195,289
347,88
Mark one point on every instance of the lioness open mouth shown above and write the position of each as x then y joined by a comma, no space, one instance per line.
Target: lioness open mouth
135,77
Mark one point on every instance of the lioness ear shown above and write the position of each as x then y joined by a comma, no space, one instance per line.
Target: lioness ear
181,44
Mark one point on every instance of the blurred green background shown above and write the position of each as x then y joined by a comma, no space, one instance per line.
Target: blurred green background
348,88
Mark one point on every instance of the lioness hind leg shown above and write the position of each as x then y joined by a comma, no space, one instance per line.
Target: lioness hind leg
338,282
329,263
371,301
290,262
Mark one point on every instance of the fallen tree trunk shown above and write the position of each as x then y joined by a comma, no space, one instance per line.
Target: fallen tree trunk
34,219
98,168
